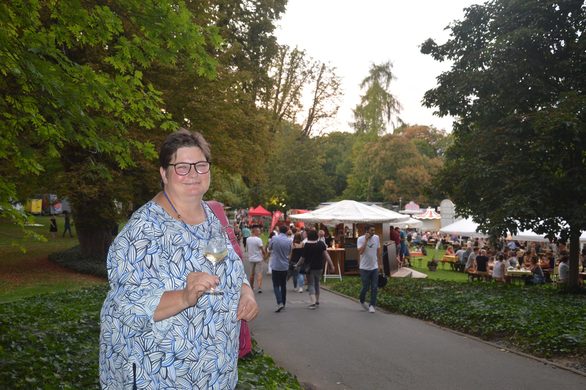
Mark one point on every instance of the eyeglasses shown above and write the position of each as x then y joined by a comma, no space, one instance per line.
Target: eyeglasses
183,168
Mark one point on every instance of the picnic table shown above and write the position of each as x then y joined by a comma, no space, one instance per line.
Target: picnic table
417,256
519,274
451,259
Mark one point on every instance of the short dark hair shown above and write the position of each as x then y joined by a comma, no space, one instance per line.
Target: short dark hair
180,139
283,229
312,234
368,226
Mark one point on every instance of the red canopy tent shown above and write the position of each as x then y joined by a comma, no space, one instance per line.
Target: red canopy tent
259,211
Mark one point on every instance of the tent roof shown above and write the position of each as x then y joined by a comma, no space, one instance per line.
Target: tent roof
463,227
350,211
428,214
259,211
411,223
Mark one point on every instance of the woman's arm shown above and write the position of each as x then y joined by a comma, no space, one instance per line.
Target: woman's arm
247,308
173,302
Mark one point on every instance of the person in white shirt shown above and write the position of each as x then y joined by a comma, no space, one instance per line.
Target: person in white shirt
368,249
499,269
564,268
256,255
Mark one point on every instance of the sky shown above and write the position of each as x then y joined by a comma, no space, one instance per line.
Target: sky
351,35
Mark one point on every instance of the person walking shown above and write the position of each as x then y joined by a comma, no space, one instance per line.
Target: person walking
296,252
256,255
67,227
245,234
280,248
368,249
315,254
53,226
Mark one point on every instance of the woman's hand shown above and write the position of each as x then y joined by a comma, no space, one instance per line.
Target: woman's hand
247,308
197,284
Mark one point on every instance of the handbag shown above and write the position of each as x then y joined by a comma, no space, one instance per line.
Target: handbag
382,280
245,342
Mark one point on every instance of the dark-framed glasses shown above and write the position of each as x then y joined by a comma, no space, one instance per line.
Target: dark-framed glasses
183,168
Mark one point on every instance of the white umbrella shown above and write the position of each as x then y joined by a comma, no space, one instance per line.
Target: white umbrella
350,211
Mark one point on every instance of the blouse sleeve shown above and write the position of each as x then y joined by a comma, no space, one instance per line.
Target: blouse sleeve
135,279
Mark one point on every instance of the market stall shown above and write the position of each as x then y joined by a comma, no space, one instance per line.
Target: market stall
349,212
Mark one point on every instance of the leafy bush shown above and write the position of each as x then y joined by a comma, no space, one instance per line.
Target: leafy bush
539,320
73,259
51,341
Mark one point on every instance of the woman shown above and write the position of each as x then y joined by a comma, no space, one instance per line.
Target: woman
53,226
159,328
314,254
537,275
296,250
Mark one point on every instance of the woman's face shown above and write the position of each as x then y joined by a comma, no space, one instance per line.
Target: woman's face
193,184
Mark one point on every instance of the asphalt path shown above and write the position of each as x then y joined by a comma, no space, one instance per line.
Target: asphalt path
342,346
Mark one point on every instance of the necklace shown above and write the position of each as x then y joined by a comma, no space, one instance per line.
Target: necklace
172,205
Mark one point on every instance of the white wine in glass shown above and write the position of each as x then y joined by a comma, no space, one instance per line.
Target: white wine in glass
215,252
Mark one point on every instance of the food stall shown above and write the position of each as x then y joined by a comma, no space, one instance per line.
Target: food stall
349,218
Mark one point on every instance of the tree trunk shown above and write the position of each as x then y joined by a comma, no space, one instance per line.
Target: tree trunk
573,285
94,241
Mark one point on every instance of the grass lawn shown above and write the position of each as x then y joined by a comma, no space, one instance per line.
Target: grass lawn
443,272
24,274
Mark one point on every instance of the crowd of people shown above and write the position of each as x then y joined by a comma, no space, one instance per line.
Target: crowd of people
547,262
301,255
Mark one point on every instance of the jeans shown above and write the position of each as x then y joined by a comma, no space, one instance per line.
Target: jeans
297,278
280,286
369,278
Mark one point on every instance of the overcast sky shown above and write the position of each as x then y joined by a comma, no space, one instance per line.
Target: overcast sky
350,35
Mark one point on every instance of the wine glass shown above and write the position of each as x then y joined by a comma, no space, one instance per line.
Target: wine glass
215,252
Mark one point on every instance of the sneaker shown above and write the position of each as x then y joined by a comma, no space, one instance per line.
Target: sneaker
300,289
317,304
279,308
312,306
371,309
364,305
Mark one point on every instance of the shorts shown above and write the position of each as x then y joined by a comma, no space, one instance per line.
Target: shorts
256,267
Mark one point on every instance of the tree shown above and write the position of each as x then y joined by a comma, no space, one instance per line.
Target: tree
377,107
391,167
74,94
324,97
295,173
225,108
337,164
517,86
293,73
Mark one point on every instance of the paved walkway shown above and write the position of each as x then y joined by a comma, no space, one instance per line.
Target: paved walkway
341,346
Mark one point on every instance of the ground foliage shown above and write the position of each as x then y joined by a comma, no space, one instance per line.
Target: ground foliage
541,321
51,341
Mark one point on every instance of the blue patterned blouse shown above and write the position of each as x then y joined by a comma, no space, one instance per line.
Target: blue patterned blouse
195,349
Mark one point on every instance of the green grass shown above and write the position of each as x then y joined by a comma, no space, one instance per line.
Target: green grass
24,268
443,272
